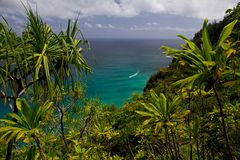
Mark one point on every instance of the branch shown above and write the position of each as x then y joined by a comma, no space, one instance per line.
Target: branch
8,98
88,119
7,75
10,105
71,104
28,85
3,95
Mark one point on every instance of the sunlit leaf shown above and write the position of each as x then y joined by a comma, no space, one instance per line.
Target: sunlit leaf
207,45
227,30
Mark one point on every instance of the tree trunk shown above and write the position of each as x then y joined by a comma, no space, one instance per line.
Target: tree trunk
40,149
177,144
169,143
198,154
202,147
62,129
190,154
85,126
223,124
9,150
174,144
190,136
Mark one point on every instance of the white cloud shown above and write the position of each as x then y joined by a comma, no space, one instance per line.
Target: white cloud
156,27
178,29
152,23
140,28
98,25
87,25
110,26
64,9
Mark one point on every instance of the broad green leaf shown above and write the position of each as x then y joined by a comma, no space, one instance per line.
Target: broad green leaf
188,80
46,68
19,104
25,110
192,45
20,135
12,135
231,83
176,100
146,122
15,116
47,73
154,95
169,50
74,29
227,30
38,67
150,108
8,128
190,58
39,61
68,28
230,52
145,114
207,46
4,129
7,133
9,122
163,103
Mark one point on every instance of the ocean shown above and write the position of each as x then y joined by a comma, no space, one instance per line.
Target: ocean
122,67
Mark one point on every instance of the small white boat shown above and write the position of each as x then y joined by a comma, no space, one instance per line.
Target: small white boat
134,75
168,56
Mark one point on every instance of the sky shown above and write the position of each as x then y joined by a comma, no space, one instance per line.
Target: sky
161,19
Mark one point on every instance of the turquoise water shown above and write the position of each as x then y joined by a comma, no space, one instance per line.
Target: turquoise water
122,67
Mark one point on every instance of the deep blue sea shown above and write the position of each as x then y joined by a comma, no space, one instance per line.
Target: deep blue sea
123,66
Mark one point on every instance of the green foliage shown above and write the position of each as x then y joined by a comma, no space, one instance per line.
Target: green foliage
208,62
26,127
40,61
40,58
161,113
28,123
208,66
189,111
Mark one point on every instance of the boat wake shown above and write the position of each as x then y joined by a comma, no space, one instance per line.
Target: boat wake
134,75
168,56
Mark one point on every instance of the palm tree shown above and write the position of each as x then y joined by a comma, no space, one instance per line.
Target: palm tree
38,58
193,129
163,115
207,65
28,125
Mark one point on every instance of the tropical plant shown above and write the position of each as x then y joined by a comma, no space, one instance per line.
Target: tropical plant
208,65
38,59
164,116
27,126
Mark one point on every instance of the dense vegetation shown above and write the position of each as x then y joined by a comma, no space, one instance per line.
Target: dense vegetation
190,110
